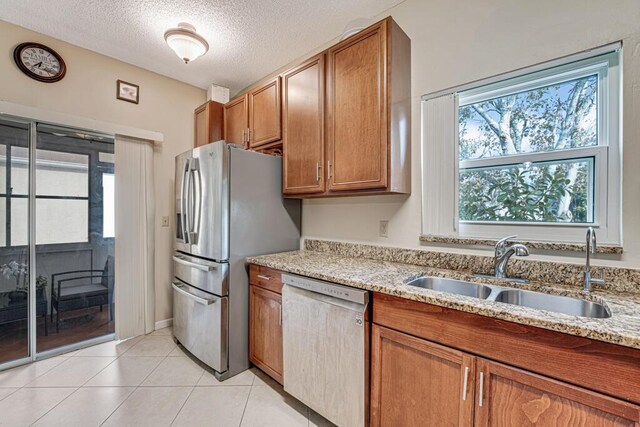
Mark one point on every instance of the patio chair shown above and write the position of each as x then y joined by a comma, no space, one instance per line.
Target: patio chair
79,289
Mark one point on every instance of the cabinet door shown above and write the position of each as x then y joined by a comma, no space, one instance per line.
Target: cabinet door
201,125
265,331
208,123
512,397
357,111
417,383
303,128
235,121
264,114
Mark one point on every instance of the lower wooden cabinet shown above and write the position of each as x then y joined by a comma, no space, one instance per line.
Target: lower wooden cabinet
512,397
415,382
265,331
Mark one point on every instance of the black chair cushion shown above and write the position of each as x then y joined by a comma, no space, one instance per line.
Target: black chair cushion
80,291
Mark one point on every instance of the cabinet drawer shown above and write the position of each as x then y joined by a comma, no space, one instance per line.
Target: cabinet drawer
266,277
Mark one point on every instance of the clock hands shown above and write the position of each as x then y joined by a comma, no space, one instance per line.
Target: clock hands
39,64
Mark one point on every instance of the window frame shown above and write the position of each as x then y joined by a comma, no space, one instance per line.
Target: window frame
607,194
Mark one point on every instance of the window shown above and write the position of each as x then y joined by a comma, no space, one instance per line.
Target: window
537,154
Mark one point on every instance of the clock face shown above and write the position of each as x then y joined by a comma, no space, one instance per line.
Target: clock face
39,62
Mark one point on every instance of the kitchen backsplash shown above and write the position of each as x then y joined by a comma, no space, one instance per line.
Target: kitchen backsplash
566,274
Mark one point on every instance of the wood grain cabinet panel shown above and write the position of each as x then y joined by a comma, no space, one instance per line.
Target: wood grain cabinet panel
418,383
236,121
513,397
358,112
369,111
265,331
303,128
265,124
208,123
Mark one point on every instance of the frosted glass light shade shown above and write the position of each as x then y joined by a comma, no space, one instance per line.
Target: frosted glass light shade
185,42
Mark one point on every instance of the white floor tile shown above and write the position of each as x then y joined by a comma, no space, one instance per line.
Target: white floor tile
175,371
179,351
111,348
268,407
4,392
153,407
28,404
163,331
73,372
243,378
88,406
126,372
21,376
263,379
152,346
316,420
219,406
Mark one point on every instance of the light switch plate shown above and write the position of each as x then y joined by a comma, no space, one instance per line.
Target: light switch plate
165,221
384,228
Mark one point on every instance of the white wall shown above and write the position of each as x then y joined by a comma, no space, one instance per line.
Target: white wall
455,42
89,90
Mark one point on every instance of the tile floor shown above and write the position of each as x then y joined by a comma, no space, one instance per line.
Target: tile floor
144,381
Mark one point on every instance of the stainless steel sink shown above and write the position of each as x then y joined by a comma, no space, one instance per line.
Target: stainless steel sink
452,286
554,303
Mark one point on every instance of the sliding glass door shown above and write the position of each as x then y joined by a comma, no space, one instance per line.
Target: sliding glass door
14,250
57,206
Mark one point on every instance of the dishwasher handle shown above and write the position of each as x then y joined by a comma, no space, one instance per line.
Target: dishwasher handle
341,292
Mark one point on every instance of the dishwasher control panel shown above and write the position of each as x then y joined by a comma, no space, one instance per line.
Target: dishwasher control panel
347,293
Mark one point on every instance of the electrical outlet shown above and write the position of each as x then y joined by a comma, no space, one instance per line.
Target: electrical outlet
165,221
384,228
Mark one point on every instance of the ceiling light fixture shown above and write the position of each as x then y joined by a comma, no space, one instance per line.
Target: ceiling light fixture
185,42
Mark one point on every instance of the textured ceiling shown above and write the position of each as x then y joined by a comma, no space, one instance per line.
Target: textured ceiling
248,39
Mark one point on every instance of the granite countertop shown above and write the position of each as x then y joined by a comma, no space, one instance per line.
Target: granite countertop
622,328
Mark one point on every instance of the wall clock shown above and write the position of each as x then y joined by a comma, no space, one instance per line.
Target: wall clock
39,62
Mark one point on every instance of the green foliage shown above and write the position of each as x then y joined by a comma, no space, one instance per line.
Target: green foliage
550,118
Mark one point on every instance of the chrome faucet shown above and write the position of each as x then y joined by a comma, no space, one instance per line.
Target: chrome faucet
590,248
503,253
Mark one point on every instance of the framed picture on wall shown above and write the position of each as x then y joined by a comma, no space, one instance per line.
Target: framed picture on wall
128,92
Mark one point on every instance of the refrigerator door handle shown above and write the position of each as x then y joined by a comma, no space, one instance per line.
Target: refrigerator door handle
183,204
196,200
188,263
188,191
180,288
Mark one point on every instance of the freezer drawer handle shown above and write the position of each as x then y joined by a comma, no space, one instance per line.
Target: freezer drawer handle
180,289
183,261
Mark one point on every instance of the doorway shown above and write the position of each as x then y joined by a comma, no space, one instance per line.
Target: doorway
56,239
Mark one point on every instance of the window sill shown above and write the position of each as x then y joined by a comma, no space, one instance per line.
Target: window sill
550,246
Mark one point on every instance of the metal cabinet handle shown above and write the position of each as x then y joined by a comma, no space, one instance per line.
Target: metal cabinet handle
318,171
481,398
466,381
188,263
260,276
243,138
328,170
178,287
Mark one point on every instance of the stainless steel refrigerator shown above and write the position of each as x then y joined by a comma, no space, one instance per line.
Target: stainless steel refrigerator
229,206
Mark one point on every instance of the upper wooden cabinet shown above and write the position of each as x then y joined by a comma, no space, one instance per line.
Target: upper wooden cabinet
367,119
208,123
265,125
303,127
236,118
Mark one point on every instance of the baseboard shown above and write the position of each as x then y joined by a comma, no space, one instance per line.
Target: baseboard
164,323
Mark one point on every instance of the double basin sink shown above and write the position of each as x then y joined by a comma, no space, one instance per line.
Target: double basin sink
519,297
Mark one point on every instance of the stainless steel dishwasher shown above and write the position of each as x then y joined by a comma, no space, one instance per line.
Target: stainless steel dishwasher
325,348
